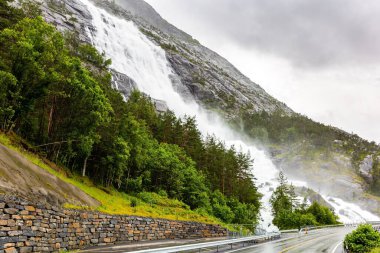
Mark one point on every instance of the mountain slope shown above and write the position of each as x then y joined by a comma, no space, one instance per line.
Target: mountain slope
208,77
218,85
57,95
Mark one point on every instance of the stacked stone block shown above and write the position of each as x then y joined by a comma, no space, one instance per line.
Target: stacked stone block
28,227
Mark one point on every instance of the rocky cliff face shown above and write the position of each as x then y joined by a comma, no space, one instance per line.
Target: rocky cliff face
213,82
211,79
365,168
217,84
68,15
200,72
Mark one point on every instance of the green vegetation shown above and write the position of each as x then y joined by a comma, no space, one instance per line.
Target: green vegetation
362,240
146,204
280,129
150,34
55,93
289,214
170,47
199,79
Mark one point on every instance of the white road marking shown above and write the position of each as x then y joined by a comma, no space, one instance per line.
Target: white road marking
333,251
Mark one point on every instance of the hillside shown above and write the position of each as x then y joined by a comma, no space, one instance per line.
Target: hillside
90,130
23,174
306,150
57,97
21,177
330,160
200,72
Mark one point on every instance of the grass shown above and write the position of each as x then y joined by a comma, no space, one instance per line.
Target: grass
377,250
371,196
112,201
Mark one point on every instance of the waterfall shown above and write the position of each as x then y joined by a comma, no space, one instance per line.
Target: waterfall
133,54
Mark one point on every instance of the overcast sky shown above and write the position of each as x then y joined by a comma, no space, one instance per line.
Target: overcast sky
321,57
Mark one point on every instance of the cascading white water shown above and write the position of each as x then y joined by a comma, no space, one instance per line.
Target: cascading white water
136,56
349,212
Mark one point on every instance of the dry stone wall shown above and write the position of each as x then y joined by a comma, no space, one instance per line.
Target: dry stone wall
28,227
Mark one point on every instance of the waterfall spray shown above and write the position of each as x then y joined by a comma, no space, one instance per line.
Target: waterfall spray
133,54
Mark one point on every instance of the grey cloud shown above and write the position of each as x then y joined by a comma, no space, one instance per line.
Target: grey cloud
309,33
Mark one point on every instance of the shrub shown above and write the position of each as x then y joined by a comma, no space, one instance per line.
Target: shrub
322,214
153,198
133,203
147,197
162,193
223,212
308,219
362,240
220,208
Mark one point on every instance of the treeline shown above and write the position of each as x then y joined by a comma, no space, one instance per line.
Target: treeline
280,128
56,93
289,213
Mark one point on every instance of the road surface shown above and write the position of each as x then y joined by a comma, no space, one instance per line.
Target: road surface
326,240
131,247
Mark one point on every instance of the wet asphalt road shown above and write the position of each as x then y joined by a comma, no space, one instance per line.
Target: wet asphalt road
326,241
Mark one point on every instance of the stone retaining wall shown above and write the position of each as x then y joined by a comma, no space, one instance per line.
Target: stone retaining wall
27,227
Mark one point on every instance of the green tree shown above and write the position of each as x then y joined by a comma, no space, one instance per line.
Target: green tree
56,93
220,208
60,102
9,99
9,15
322,214
289,214
282,198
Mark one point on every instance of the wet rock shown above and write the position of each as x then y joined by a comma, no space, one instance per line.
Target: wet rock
365,168
160,105
123,83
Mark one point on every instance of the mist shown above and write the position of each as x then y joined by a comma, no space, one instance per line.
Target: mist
319,57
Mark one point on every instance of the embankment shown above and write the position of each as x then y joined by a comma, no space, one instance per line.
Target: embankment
29,227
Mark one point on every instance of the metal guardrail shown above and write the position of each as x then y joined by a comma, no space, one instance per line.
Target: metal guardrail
309,228
217,244
289,231
242,230
231,242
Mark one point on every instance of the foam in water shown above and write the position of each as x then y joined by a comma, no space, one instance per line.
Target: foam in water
136,56
348,212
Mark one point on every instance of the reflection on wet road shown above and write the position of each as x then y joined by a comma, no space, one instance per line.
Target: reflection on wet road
327,241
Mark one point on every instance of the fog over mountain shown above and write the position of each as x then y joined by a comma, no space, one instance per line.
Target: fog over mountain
320,57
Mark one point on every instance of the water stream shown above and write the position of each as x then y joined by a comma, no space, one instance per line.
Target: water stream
133,54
